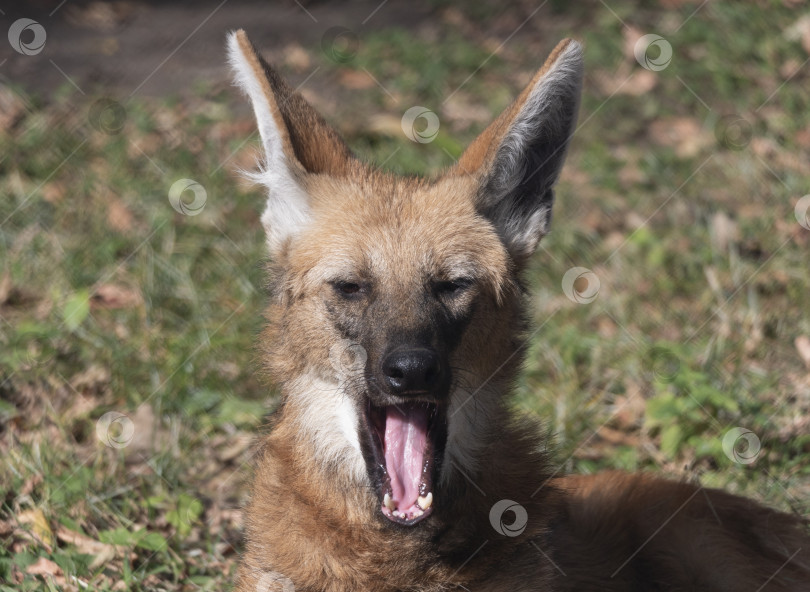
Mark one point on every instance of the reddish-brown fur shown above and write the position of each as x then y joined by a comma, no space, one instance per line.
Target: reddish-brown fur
310,524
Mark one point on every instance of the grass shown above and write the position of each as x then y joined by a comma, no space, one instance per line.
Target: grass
113,301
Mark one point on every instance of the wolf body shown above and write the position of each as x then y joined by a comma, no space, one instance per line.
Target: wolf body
395,330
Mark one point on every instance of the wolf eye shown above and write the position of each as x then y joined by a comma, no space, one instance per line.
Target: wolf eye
347,288
451,287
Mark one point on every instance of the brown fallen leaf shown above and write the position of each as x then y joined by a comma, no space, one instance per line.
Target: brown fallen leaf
685,134
118,215
43,567
625,81
387,125
38,525
5,286
630,36
355,79
31,483
101,552
724,231
115,296
297,58
53,192
12,108
802,343
800,31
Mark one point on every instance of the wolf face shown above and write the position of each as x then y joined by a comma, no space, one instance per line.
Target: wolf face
395,300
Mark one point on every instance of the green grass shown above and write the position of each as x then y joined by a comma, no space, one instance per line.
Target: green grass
691,334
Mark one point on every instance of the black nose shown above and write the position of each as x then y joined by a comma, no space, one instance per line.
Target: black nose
412,370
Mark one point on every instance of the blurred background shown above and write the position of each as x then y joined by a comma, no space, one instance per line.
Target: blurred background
670,304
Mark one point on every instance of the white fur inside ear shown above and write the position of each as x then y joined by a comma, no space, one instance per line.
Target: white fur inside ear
287,210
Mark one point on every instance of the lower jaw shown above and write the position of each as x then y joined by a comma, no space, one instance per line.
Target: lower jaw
423,507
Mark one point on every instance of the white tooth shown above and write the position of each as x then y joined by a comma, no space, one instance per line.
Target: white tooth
388,502
425,502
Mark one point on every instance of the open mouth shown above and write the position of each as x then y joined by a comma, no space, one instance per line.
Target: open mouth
408,442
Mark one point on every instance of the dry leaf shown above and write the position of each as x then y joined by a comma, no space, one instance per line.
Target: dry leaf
387,125
115,296
297,58
685,134
12,108
35,519
101,552
459,107
625,81
355,79
43,567
631,36
800,31
118,215
629,409
53,192
5,287
724,231
802,344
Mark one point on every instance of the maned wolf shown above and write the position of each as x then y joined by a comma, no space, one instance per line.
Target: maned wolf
396,317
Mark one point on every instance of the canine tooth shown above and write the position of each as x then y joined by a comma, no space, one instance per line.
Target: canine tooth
425,502
388,502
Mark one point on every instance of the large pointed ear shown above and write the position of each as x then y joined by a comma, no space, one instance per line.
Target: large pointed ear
297,142
519,156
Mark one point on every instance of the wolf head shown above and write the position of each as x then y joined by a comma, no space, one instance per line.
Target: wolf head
397,308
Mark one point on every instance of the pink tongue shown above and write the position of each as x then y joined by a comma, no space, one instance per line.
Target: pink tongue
405,443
